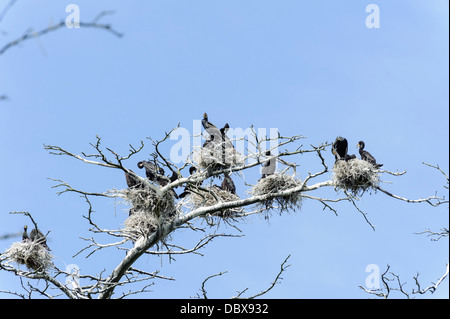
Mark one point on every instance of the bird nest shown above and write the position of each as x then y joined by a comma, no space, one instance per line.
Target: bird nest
31,254
212,196
140,223
148,210
355,176
215,157
276,183
146,199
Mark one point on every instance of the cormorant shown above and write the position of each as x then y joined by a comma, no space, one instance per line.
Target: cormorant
268,168
163,180
151,170
186,191
218,140
211,129
156,174
225,140
25,234
132,182
340,148
366,156
224,129
228,184
36,235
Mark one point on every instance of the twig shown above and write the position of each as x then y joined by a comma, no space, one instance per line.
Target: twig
60,25
203,290
283,268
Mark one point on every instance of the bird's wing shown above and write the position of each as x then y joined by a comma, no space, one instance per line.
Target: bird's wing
368,157
130,180
269,168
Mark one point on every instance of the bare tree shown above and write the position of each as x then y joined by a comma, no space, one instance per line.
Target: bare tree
156,213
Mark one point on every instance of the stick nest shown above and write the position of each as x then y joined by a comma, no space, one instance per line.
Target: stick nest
215,157
140,223
355,176
31,254
213,196
277,183
148,210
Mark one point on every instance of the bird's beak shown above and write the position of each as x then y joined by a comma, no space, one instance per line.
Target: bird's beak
333,151
357,145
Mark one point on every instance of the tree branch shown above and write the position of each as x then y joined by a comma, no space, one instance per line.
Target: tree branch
30,35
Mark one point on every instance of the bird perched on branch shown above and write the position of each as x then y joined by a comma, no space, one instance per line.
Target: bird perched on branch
228,184
340,149
268,168
366,156
157,174
211,129
224,129
151,170
223,133
25,234
163,180
218,142
132,182
186,191
37,236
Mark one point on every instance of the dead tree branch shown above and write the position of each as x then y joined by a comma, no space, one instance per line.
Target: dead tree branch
35,34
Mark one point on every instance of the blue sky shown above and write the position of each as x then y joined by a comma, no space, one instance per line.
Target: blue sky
304,67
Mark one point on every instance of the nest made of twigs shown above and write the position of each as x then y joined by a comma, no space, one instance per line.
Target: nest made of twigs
147,210
216,157
355,176
277,183
31,254
212,196
140,223
146,199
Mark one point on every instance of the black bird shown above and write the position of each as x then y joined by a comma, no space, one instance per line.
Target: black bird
25,234
223,133
132,182
211,129
366,156
228,184
224,129
340,148
163,180
156,174
217,138
151,170
215,135
186,191
268,168
37,236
